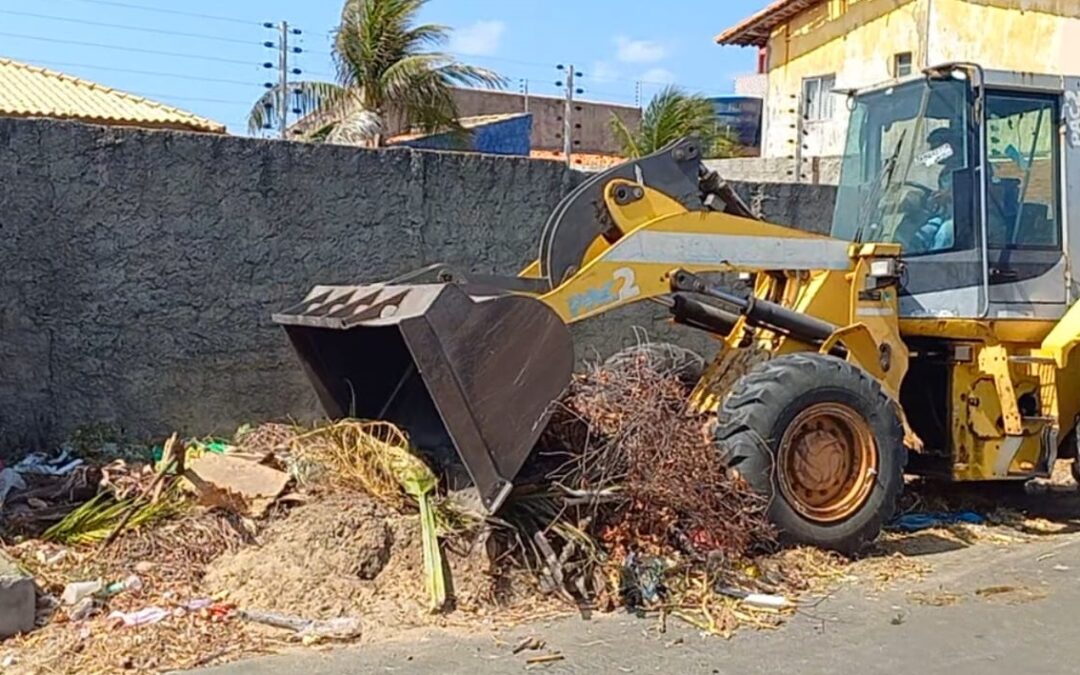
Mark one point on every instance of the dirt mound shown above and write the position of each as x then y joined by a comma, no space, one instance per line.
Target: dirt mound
346,555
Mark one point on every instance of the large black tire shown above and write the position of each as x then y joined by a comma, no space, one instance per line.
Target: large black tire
664,357
800,391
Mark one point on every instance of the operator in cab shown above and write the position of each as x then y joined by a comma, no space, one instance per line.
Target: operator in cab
945,150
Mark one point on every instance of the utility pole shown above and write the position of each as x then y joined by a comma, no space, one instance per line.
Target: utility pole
568,112
283,79
525,92
282,98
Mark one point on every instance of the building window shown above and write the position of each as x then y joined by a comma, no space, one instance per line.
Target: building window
902,64
818,99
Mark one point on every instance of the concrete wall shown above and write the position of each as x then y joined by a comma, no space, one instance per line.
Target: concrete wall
141,268
813,170
593,136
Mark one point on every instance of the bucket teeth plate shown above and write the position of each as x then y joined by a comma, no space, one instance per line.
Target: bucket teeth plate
470,379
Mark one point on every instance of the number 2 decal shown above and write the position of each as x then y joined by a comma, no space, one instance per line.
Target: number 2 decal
629,288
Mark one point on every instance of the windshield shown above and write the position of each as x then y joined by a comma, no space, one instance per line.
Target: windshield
905,165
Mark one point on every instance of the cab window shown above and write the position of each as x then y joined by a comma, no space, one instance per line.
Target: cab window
1023,187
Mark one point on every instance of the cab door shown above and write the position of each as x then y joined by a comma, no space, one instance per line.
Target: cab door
1027,265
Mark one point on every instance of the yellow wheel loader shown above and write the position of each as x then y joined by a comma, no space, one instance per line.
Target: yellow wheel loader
932,332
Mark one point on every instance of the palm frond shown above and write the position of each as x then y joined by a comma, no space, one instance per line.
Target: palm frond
454,73
624,137
429,34
93,521
384,68
671,114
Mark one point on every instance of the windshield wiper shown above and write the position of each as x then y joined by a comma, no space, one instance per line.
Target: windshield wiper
881,182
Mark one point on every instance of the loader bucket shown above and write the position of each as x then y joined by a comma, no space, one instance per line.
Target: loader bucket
457,371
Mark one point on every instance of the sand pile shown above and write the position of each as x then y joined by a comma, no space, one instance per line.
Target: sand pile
346,555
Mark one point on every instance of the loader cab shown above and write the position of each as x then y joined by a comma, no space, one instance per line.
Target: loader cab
965,169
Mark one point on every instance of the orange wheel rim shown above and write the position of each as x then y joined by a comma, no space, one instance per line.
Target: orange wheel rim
827,462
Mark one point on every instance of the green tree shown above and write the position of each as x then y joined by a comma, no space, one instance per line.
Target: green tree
673,114
387,79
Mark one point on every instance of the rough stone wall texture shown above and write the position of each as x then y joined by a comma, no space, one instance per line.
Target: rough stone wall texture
141,268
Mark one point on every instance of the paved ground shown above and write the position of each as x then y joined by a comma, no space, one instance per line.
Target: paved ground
1030,628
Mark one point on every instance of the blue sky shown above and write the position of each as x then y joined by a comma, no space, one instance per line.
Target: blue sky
206,55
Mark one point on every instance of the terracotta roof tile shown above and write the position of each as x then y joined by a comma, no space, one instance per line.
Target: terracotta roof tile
30,91
755,30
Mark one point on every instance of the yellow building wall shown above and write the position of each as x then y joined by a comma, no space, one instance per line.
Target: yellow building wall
1041,36
857,39
854,40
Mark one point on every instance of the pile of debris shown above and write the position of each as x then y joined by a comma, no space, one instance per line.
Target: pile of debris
206,550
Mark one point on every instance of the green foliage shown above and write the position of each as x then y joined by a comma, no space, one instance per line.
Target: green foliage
673,114
92,521
384,67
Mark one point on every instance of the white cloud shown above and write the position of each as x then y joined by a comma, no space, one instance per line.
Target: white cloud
658,76
602,71
480,39
638,51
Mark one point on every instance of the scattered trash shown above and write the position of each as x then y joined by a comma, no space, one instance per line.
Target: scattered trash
197,604
40,464
132,583
10,479
757,599
143,617
530,643
914,522
50,558
83,609
76,591
546,658
643,580
236,484
941,599
1013,595
342,628
995,590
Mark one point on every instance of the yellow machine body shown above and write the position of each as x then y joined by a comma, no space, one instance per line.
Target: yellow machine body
932,331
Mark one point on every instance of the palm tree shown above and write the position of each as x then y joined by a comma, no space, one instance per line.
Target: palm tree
673,114
386,80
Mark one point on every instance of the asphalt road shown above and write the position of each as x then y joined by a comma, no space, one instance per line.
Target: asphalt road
1029,629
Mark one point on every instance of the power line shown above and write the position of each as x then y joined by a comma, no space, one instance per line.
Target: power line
126,49
197,99
142,29
175,12
132,71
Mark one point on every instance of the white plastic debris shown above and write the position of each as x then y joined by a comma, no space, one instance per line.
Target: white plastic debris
76,591
143,617
39,463
10,479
